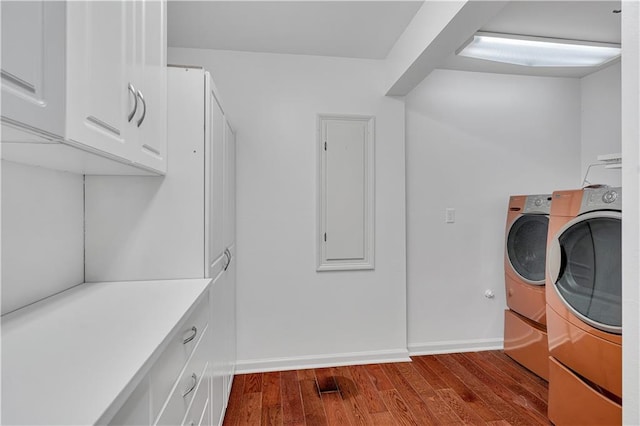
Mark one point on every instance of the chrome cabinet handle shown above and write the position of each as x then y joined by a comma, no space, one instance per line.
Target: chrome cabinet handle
144,111
194,378
135,105
227,253
193,336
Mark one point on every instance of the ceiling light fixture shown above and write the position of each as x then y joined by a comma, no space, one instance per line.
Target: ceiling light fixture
538,51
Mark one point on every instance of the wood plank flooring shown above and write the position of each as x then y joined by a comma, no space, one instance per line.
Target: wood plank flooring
479,388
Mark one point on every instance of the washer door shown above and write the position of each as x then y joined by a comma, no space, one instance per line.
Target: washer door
527,247
585,265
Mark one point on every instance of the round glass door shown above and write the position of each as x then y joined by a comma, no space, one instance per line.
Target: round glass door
590,279
527,247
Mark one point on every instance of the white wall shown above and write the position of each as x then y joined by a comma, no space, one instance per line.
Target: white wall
601,123
473,140
289,314
42,233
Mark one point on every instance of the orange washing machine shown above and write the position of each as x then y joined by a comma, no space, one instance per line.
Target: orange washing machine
584,307
525,331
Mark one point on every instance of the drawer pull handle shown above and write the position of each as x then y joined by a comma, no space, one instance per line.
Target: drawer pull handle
194,378
193,336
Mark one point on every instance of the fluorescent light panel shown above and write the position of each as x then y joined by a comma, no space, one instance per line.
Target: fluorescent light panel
538,51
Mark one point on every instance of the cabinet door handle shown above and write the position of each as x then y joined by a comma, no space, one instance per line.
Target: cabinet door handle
194,379
135,105
227,253
193,336
144,111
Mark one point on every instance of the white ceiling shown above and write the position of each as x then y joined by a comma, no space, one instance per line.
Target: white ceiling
574,20
358,29
369,29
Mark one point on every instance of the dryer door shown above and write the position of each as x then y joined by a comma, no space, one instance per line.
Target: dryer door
586,268
527,247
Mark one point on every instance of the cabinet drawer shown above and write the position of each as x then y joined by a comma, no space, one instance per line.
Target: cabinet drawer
166,370
187,385
200,401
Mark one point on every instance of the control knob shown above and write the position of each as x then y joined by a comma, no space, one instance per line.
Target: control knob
609,197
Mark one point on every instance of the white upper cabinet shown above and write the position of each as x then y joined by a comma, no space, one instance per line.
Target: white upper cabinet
117,79
33,66
97,87
150,76
113,78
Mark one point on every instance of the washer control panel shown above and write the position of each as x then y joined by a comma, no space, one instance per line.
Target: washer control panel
538,204
601,199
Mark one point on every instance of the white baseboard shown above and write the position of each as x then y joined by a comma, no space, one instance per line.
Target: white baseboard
321,361
455,346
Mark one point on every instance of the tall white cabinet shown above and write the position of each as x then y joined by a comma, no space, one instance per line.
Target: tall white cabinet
181,225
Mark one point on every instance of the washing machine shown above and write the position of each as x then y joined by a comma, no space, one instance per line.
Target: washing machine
525,334
584,306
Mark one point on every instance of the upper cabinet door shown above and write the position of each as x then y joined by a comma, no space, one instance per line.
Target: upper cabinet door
150,76
100,97
229,199
33,65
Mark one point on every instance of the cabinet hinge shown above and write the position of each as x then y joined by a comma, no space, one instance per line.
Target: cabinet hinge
325,145
325,237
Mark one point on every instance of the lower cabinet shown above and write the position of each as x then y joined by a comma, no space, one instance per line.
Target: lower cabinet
177,389
229,359
223,333
189,382
218,336
191,389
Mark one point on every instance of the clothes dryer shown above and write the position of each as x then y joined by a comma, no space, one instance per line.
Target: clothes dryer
525,337
525,255
584,305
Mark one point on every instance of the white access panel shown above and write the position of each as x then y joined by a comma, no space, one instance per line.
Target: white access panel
344,189
346,193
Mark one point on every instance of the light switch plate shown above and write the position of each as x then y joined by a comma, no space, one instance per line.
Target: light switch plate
450,215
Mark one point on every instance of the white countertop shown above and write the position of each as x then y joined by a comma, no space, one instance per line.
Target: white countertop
69,359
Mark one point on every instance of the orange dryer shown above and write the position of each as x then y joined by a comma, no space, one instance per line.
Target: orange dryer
584,306
525,337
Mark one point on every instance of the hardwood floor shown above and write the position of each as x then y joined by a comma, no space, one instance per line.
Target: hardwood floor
480,388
